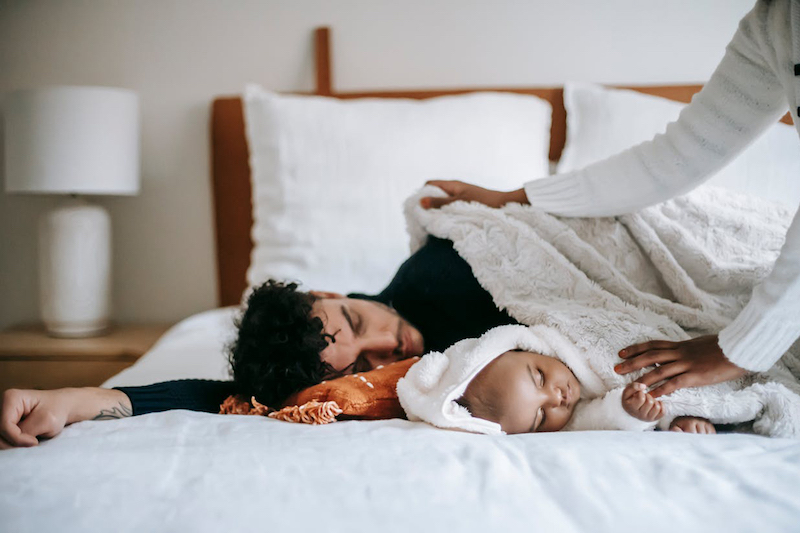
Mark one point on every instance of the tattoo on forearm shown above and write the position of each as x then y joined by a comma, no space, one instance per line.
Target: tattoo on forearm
120,411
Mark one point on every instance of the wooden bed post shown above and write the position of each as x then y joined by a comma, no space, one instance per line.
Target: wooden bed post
323,55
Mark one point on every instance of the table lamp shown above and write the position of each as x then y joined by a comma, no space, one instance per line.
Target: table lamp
74,141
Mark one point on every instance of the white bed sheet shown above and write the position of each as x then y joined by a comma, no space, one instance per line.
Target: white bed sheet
184,471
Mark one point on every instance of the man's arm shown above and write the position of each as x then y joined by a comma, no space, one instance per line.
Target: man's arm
26,415
191,394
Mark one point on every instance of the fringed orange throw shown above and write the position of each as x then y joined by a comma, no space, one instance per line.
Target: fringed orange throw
312,412
366,396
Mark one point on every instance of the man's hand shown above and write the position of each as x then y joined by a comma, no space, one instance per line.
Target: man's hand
458,190
638,403
693,363
692,424
26,415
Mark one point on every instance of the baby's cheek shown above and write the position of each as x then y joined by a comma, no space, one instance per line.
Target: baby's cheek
569,414
561,421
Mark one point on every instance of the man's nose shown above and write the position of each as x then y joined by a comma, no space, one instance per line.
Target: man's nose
380,350
384,342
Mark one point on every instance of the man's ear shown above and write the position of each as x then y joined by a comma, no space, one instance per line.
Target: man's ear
326,294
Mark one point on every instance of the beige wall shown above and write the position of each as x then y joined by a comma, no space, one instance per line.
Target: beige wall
178,54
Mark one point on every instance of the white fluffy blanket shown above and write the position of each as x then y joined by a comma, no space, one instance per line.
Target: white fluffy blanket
673,271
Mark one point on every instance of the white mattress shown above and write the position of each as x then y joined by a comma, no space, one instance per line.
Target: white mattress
183,471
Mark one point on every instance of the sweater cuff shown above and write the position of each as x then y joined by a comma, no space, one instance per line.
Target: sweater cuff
191,394
560,195
755,341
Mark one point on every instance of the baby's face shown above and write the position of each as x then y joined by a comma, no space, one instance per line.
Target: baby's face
524,392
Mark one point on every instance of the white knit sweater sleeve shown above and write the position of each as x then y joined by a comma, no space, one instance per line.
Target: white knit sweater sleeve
770,323
606,413
741,100
743,97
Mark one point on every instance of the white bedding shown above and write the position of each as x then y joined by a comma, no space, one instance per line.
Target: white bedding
183,471
193,348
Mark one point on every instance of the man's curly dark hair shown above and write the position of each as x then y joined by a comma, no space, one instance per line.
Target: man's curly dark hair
277,350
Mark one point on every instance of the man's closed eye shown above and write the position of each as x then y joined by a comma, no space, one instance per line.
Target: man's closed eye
354,320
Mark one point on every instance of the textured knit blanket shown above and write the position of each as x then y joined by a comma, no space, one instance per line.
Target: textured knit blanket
673,271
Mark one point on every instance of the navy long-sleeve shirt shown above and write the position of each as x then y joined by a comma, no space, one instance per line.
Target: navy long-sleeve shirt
434,289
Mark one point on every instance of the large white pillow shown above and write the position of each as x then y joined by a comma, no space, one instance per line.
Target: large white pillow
330,176
602,122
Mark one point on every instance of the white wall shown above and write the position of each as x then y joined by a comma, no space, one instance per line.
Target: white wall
179,54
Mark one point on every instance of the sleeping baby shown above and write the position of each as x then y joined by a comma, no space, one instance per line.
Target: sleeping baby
516,379
527,392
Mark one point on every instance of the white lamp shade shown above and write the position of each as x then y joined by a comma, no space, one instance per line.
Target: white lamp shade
72,140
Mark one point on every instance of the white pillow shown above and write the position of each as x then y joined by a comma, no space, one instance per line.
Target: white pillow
194,348
602,122
330,176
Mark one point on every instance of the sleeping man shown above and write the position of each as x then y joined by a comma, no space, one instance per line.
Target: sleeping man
548,271
288,340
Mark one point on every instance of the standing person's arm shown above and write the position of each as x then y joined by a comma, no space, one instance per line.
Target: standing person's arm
754,341
28,414
742,99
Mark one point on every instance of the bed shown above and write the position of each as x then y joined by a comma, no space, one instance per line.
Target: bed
185,471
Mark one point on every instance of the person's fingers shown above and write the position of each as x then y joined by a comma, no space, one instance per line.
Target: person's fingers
23,440
634,402
645,359
654,413
432,202
14,408
631,389
676,428
663,372
636,349
680,381
645,411
451,187
638,400
658,410
628,391
711,430
651,409
40,425
5,445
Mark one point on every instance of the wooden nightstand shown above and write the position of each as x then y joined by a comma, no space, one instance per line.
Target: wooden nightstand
31,359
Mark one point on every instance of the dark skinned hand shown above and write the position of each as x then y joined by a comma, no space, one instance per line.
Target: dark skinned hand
458,190
693,363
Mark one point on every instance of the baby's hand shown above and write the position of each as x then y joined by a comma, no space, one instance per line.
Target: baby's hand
692,424
640,404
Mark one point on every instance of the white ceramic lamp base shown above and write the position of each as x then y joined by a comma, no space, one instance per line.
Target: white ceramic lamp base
75,269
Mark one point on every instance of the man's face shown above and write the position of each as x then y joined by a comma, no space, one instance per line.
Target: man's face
367,334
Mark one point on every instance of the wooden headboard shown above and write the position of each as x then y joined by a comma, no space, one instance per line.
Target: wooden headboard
231,169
